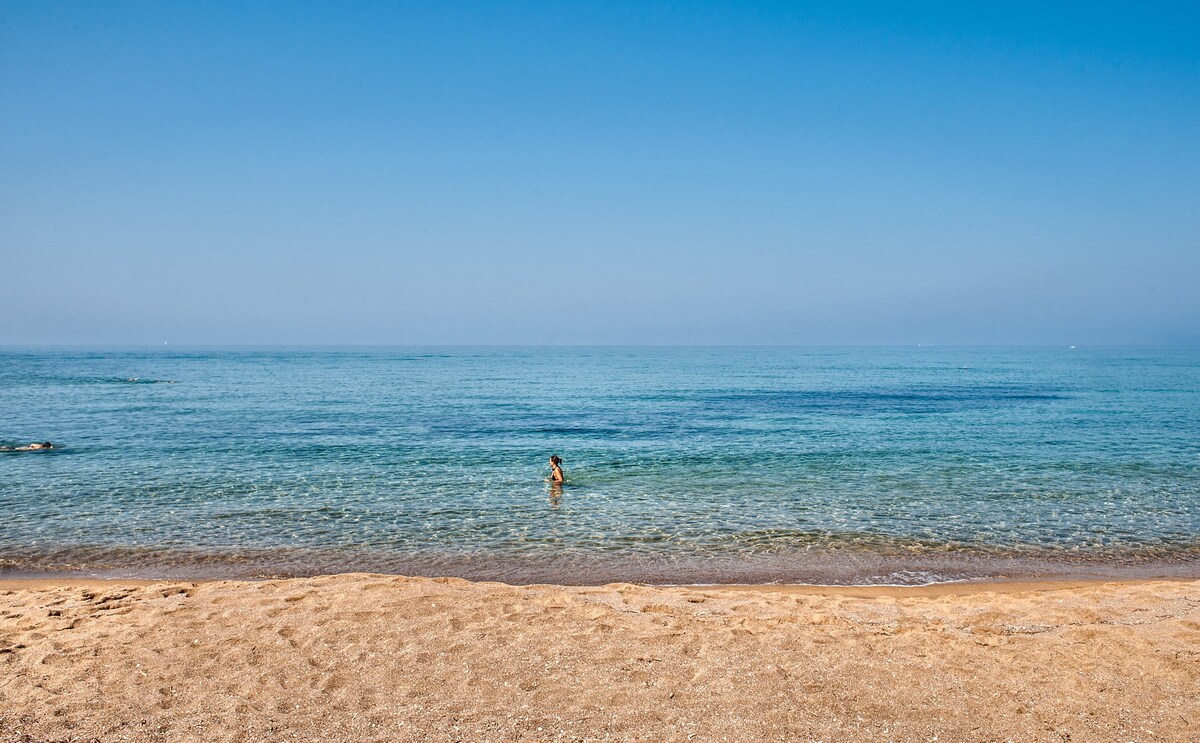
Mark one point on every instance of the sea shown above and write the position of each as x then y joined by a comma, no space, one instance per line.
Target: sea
689,465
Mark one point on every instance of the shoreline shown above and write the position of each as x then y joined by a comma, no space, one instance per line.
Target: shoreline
945,588
834,568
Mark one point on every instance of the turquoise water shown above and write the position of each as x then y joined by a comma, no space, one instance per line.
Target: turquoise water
684,465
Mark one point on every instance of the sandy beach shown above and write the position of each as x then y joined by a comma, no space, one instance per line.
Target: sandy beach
363,657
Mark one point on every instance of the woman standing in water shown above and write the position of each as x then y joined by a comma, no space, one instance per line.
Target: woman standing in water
556,473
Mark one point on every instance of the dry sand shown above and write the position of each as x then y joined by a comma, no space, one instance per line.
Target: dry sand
361,657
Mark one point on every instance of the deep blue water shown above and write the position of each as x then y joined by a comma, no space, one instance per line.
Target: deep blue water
683,464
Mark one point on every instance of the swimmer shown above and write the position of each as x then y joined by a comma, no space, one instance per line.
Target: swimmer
35,446
556,473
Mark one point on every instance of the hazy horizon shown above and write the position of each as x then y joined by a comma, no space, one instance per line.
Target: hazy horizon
353,346
628,174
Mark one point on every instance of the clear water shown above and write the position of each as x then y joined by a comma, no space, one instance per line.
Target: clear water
683,464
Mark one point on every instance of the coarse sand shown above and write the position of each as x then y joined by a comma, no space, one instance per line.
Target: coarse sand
382,658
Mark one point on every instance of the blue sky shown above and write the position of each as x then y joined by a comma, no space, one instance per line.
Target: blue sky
605,173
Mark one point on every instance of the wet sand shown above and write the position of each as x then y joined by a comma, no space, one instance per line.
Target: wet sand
364,657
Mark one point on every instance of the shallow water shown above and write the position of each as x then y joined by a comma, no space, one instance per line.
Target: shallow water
684,465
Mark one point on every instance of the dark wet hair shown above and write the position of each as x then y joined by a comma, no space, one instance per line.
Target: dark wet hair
555,459
47,444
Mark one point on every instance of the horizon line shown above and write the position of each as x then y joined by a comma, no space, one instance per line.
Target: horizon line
1150,344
